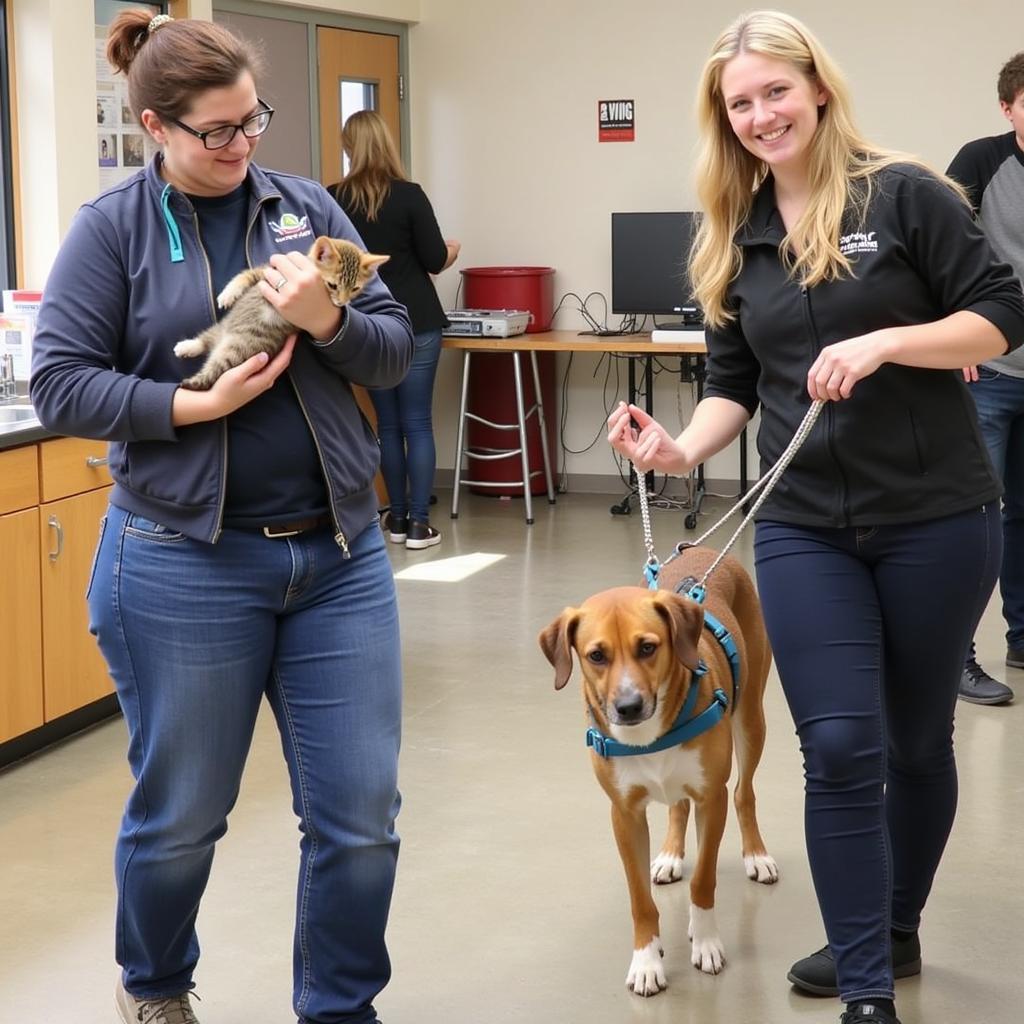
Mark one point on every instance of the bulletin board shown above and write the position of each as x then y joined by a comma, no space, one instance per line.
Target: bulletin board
122,144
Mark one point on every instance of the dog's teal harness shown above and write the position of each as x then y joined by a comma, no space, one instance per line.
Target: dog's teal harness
685,727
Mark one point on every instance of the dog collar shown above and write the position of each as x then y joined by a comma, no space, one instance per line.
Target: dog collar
684,728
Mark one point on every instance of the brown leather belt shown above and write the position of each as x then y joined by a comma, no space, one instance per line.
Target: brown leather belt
278,530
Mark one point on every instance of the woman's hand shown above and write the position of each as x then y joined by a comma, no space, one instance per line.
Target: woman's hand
650,447
838,367
232,389
970,374
294,287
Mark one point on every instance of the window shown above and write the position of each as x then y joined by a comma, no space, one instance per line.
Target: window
356,94
7,272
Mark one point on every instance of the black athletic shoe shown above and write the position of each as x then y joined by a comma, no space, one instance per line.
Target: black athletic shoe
978,687
396,527
867,1013
817,973
421,535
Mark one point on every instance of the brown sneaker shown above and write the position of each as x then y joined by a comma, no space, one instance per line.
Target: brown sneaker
166,1010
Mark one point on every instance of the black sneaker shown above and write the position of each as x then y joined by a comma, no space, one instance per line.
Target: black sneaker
978,687
867,1013
817,973
1015,656
421,535
395,527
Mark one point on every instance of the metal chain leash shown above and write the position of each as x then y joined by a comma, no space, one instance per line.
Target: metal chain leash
652,566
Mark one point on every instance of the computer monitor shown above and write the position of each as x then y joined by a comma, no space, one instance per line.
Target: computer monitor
649,266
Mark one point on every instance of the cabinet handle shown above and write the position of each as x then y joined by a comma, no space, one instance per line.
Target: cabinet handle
92,461
55,523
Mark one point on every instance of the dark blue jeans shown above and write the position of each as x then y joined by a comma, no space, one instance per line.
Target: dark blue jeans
406,431
869,628
195,635
1000,403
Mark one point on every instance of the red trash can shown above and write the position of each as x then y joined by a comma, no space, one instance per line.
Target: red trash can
528,288
492,380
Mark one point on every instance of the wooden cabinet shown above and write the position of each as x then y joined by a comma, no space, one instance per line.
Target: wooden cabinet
74,672
52,497
21,694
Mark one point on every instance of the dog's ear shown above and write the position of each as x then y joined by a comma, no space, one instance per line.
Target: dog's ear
685,620
556,642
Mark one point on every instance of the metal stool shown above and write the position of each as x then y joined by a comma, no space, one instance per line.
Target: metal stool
491,454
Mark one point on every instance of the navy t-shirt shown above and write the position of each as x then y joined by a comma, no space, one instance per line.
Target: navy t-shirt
274,473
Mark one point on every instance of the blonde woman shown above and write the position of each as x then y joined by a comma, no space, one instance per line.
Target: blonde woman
830,269
394,216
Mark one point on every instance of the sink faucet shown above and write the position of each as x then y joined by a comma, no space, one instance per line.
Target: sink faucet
8,387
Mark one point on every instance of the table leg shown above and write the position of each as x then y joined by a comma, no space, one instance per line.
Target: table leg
524,453
548,476
461,434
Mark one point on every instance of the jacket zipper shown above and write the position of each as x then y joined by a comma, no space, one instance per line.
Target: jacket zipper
829,406
219,528
339,534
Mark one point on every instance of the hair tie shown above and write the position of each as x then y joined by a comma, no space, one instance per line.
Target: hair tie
160,19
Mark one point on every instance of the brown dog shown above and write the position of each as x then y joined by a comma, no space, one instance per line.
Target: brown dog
638,650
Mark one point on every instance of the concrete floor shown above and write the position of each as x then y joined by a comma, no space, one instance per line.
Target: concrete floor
510,904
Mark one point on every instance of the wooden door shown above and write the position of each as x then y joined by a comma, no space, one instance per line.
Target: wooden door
368,63
74,672
350,59
21,692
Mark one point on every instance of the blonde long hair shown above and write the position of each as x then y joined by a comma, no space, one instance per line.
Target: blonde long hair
373,162
841,165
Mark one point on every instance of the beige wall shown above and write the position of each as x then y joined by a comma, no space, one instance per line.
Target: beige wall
502,110
504,133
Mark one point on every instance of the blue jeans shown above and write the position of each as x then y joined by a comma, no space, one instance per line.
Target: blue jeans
1000,402
195,635
869,628
406,431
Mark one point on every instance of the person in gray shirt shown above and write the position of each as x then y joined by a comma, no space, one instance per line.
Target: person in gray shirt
992,172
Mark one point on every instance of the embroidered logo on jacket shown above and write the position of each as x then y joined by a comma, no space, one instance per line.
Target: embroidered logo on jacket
291,227
858,242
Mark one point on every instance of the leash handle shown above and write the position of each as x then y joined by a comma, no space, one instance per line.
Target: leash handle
766,485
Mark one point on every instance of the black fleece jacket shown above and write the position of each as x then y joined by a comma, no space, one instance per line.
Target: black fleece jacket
905,447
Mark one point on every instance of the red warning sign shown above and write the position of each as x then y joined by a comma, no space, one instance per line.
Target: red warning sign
615,121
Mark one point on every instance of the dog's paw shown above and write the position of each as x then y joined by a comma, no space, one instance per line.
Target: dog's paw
189,348
761,867
666,868
707,952
646,975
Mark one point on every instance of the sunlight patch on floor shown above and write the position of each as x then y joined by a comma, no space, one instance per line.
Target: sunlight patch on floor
449,570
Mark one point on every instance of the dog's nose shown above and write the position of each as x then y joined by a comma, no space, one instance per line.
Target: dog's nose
629,706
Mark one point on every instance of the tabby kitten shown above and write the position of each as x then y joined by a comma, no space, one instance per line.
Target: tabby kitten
253,325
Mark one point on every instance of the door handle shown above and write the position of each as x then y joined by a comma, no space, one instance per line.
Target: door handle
55,523
93,461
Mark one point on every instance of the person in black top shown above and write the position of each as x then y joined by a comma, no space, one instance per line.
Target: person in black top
992,172
831,270
395,218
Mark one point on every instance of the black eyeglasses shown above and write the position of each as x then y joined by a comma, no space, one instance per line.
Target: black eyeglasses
218,138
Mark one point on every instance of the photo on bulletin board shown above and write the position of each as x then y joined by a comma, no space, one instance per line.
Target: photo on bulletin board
106,109
107,150
133,150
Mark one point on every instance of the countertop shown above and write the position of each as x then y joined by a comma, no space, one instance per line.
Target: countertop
18,424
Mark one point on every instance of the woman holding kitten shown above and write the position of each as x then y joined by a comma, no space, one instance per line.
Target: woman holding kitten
239,557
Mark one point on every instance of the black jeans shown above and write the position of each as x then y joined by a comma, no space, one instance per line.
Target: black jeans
869,627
